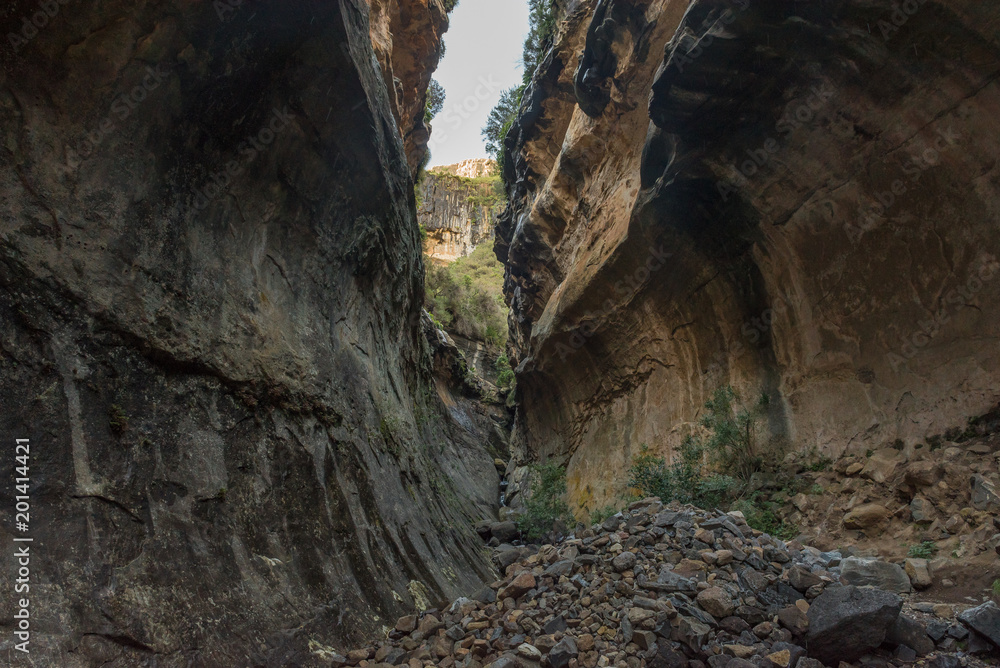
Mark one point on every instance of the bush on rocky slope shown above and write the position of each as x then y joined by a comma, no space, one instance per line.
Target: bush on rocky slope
465,297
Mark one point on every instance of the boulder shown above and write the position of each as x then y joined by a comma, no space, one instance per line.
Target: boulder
716,602
922,474
921,510
985,620
504,531
919,572
624,562
865,516
518,587
847,622
862,572
908,632
802,578
563,651
881,465
985,495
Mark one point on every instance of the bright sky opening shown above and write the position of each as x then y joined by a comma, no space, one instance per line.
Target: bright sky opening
483,58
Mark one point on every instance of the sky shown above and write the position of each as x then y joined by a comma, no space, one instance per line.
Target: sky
482,59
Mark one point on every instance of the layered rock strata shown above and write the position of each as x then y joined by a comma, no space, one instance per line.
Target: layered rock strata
457,209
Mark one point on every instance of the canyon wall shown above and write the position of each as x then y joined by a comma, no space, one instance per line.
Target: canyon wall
210,290
792,198
457,208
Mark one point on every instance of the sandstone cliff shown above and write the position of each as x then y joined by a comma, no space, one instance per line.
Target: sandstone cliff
457,208
797,198
210,288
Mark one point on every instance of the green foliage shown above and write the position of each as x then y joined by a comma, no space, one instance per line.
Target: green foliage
435,101
680,481
816,489
117,420
924,550
449,5
505,374
541,30
547,503
996,587
761,516
819,465
600,514
718,470
499,122
735,443
466,296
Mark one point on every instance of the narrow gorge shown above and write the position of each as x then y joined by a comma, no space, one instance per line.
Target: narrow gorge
281,390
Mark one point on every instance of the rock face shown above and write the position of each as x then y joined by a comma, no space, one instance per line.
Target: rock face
457,212
800,200
210,285
406,36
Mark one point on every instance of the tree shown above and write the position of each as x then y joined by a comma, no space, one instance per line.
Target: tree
542,26
500,119
435,101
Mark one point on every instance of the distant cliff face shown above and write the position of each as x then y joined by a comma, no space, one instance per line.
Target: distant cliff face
798,199
210,290
457,207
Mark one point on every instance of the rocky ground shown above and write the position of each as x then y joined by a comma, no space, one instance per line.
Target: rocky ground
676,587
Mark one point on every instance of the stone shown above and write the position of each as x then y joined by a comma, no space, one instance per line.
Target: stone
518,587
563,652
984,619
911,633
854,469
985,494
793,619
921,510
529,652
919,573
809,662
872,572
802,578
922,474
716,602
865,516
847,622
407,624
624,561
881,465
644,639
504,531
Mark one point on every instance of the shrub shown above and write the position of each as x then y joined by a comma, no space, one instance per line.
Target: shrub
598,515
924,550
761,516
505,374
735,445
996,587
117,420
547,503
652,477
466,297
